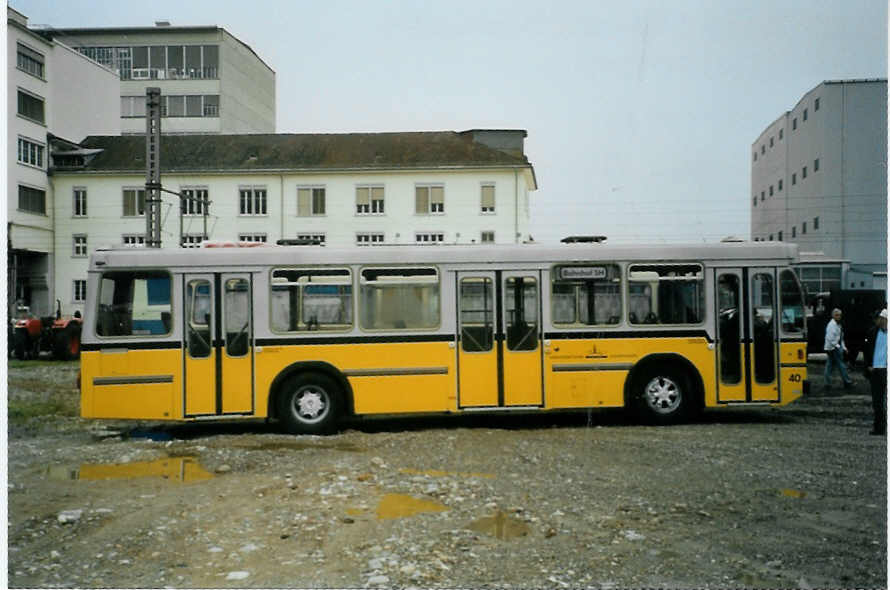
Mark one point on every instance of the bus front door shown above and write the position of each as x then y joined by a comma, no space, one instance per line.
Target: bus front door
218,344
499,342
746,335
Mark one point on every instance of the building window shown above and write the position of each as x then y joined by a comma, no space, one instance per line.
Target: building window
771,237
31,107
793,231
816,165
429,238
252,200
780,185
366,238
487,237
781,134
211,105
804,114
133,106
803,228
771,141
79,291
32,200
80,202
780,236
80,245
192,240
763,149
133,240
762,196
794,123
755,156
770,190
803,173
252,238
429,199
816,105
134,202
310,201
192,200
793,178
29,61
815,223
755,200
369,200
487,198
315,238
30,153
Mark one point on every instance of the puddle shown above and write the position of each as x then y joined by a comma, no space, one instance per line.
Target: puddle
499,526
793,493
302,446
438,473
402,505
178,469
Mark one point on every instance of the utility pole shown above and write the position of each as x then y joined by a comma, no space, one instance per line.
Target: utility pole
153,167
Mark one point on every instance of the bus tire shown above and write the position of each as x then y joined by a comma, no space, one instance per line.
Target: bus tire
310,403
662,394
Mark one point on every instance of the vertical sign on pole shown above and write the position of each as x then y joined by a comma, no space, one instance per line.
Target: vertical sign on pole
153,168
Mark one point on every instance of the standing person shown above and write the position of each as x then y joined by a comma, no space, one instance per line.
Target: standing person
876,364
834,348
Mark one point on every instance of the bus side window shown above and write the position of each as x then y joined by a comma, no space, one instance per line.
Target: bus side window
666,294
134,303
399,298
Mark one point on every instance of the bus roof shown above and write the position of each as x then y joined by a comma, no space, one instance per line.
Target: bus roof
483,255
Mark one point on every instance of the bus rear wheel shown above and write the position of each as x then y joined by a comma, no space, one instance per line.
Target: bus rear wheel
309,403
662,395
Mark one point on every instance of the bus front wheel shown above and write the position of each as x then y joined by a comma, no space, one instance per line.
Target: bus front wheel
309,403
662,395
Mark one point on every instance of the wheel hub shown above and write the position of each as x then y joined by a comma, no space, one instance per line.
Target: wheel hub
663,395
310,404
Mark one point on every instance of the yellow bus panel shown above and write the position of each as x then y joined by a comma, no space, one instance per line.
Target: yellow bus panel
479,378
140,384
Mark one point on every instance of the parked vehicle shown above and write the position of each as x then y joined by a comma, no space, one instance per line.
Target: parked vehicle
858,307
58,335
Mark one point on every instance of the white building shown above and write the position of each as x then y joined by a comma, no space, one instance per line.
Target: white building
55,97
210,81
819,179
340,189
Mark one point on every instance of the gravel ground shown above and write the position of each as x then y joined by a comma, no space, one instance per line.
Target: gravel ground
779,498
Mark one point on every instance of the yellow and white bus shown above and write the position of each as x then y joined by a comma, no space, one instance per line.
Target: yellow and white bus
309,334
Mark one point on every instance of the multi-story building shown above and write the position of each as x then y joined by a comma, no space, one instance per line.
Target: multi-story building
819,179
360,189
210,81
55,97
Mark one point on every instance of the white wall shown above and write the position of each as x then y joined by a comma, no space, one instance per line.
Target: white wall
84,98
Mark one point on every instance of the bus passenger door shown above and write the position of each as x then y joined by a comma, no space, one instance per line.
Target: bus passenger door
747,362
763,363
731,341
236,350
218,344
522,350
200,357
477,354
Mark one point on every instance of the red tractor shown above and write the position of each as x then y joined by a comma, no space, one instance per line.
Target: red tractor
56,334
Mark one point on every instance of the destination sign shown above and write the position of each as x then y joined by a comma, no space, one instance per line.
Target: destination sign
582,272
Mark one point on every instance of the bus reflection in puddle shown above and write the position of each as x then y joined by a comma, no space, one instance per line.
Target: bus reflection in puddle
178,469
499,526
402,505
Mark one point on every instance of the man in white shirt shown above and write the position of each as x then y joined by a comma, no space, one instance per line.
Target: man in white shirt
834,349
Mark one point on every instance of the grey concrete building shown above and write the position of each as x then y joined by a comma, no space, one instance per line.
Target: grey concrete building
819,179
210,81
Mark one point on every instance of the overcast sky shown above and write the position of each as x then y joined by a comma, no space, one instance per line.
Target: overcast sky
640,115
